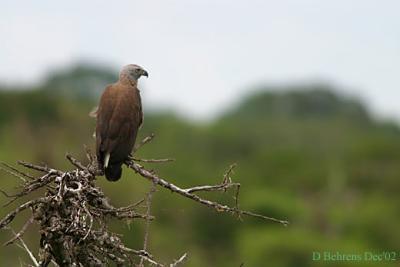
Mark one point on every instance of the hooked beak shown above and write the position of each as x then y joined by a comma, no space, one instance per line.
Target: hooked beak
144,73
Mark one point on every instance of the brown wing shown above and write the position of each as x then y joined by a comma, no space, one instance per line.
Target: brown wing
103,115
118,119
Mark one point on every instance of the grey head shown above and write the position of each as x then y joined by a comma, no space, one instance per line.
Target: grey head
132,72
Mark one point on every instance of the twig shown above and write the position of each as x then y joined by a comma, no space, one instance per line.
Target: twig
143,142
217,187
37,167
6,220
6,194
35,262
91,221
88,153
211,204
148,207
75,162
21,232
179,261
153,160
142,254
15,172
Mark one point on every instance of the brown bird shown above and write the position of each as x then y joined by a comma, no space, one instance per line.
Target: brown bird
119,117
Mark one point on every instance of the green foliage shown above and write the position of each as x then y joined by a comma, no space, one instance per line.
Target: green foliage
83,82
305,154
313,101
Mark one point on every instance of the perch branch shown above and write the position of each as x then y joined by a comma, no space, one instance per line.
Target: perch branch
186,193
72,216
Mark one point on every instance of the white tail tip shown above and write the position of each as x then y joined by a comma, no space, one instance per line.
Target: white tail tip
106,160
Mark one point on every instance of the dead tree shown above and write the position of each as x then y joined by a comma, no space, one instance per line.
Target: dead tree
72,213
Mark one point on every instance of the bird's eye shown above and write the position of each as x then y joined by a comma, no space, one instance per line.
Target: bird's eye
137,70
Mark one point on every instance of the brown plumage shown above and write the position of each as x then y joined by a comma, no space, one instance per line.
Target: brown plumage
119,117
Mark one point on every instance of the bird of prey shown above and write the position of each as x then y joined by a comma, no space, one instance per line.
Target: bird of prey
119,116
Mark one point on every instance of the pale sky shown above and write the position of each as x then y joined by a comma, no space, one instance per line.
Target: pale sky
203,55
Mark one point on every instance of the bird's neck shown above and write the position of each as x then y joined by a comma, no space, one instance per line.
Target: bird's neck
125,80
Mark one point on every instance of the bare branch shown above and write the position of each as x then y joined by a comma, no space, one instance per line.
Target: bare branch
37,167
148,206
72,216
35,262
88,153
15,172
6,194
75,209
211,204
21,232
6,220
145,140
75,162
217,187
178,261
153,160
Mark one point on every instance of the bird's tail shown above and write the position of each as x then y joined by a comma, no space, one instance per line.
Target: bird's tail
113,172
106,160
